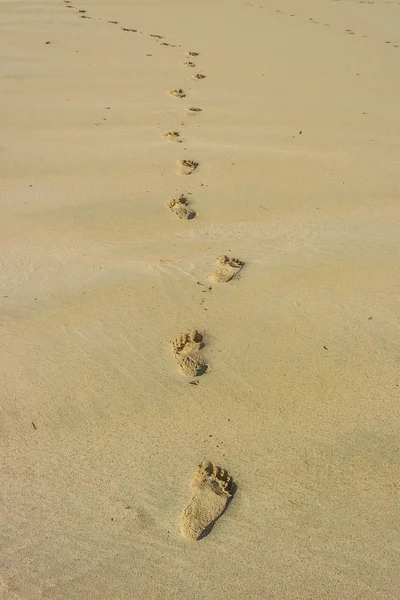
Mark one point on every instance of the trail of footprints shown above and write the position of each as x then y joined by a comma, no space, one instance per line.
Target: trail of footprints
212,486
347,31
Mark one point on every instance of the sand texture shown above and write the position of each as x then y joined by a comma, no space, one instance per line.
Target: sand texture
140,141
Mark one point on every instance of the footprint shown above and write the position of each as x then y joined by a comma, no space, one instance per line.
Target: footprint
192,110
197,76
155,35
227,269
126,29
186,350
189,63
179,207
212,491
173,136
177,93
113,22
193,53
186,167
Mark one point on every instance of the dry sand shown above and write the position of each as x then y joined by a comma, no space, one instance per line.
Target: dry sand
298,151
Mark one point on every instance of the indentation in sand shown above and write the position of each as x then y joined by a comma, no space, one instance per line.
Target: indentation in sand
186,349
172,136
177,93
226,269
192,110
186,167
212,490
197,76
179,206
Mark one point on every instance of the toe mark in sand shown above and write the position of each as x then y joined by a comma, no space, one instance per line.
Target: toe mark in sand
212,491
177,93
186,349
173,136
179,206
227,269
189,63
186,167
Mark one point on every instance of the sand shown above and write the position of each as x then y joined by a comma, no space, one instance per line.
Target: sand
298,177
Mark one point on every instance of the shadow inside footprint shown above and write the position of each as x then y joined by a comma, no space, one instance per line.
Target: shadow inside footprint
209,527
201,370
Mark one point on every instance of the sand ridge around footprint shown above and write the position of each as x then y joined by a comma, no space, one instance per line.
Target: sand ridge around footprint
227,269
186,167
212,490
186,349
179,206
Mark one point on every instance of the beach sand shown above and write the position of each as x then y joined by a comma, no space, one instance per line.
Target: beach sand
297,145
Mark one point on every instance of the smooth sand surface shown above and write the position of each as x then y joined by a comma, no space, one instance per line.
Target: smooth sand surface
298,151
